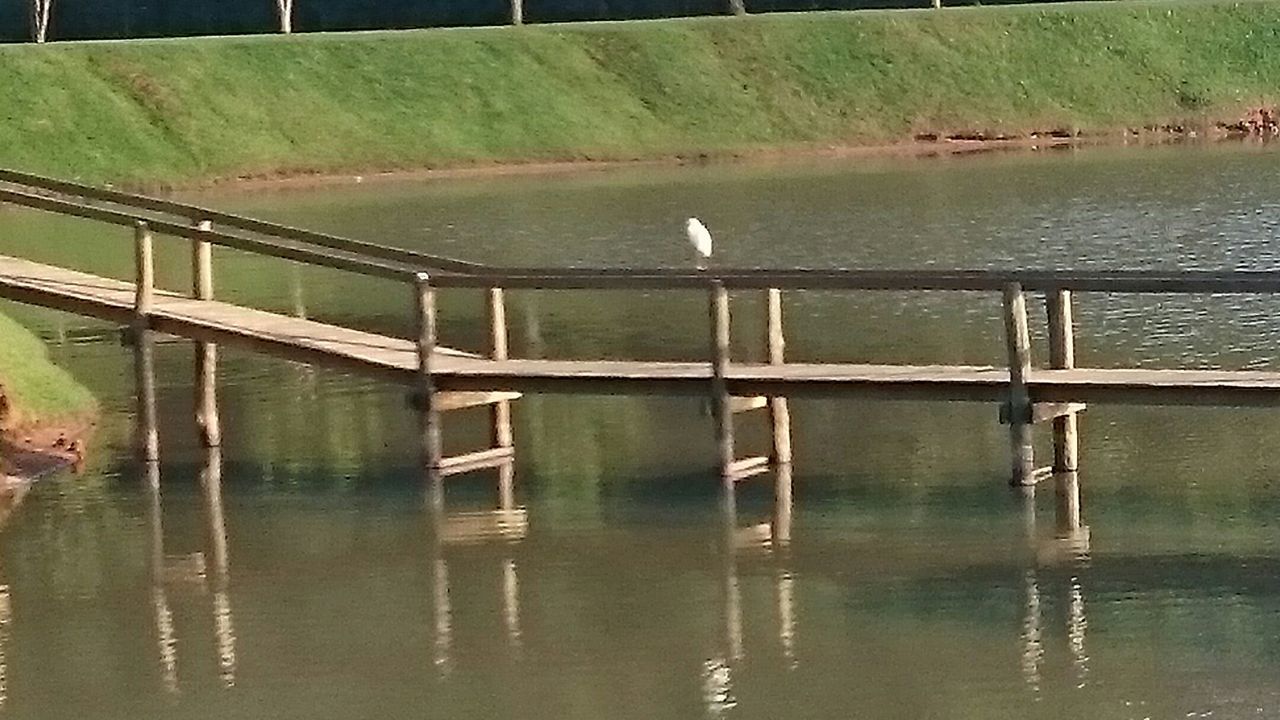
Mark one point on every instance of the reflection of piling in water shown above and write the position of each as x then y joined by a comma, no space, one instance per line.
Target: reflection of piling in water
443,625
507,524
511,601
166,640
1031,636
6,618
1077,625
771,538
224,628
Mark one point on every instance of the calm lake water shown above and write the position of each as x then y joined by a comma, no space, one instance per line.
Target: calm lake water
914,586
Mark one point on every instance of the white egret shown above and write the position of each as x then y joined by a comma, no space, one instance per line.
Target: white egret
700,239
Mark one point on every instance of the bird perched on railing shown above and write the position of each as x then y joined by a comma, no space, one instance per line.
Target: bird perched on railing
700,239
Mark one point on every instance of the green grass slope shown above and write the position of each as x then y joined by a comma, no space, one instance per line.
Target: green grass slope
180,111
36,390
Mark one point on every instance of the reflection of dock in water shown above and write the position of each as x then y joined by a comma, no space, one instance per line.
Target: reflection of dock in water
202,572
505,525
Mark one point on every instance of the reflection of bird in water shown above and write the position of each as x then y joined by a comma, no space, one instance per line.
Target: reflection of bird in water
700,239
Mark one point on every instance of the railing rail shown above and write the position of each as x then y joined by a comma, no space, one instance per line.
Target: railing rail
367,258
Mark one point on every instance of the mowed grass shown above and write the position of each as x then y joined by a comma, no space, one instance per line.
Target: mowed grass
184,111
37,390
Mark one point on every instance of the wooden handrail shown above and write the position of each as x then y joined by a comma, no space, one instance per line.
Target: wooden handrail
341,260
370,259
195,213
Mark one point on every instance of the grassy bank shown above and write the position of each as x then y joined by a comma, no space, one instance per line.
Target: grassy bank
36,391
179,111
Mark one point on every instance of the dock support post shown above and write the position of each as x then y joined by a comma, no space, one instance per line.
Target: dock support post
782,507
1062,356
144,274
779,412
206,354
722,411
425,300
1018,344
500,412
147,436
1067,496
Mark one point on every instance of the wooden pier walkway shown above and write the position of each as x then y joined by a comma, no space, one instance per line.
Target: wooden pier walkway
443,379
454,370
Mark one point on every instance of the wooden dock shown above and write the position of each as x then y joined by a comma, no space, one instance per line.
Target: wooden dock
443,379
457,371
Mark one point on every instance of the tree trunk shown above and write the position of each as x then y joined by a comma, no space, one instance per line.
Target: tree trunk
517,12
937,4
285,8
738,7
40,12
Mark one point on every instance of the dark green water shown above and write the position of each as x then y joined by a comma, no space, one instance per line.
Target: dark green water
914,585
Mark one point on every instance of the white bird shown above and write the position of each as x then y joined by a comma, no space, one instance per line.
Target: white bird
700,239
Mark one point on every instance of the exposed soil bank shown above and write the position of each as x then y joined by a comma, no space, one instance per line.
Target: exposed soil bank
46,417
182,112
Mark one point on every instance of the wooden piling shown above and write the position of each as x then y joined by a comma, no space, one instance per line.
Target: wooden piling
506,486
782,506
1067,502
146,433
146,427
206,354
1062,356
1018,344
144,274
206,394
722,410
779,411
500,412
425,301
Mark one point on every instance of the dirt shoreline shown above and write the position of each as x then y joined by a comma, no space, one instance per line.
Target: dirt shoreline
913,148
30,453
924,145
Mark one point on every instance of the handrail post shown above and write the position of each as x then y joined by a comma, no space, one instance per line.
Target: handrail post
779,412
1062,356
722,411
1018,345
202,264
425,303
206,353
144,274
147,436
500,412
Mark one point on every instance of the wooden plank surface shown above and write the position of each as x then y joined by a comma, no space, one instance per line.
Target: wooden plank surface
395,358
